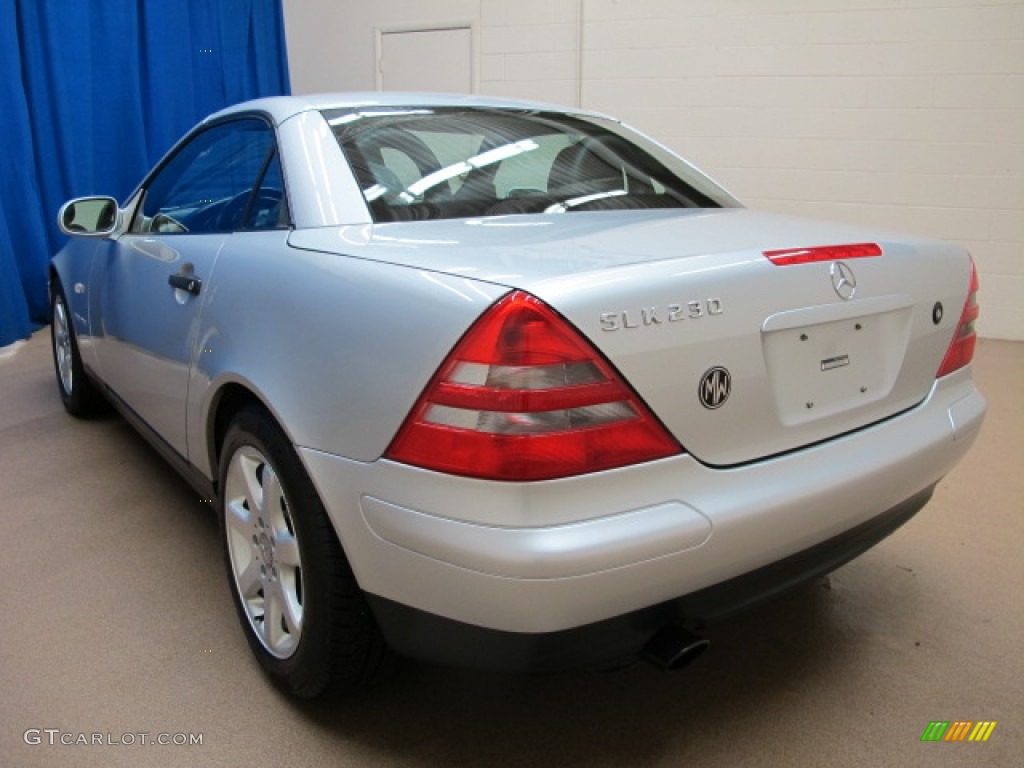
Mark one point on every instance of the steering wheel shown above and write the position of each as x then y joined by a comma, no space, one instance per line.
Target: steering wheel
166,224
230,214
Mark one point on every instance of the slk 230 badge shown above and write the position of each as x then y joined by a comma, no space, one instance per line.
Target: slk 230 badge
659,314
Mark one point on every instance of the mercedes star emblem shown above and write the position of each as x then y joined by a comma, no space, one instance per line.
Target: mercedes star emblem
843,281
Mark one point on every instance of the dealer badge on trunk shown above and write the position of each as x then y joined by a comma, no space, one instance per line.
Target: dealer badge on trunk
715,386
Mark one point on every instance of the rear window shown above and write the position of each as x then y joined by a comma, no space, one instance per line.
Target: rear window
429,163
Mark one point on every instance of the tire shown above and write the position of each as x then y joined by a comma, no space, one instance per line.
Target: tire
315,634
78,392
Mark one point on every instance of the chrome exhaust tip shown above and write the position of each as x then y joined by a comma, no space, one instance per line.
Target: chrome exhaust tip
672,648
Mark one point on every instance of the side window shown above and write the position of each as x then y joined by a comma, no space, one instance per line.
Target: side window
401,166
208,185
527,172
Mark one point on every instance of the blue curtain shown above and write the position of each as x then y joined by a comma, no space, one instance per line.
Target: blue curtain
93,93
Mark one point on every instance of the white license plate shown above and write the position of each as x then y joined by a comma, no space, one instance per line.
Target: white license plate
822,369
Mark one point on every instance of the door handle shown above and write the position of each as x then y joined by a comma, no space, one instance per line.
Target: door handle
186,283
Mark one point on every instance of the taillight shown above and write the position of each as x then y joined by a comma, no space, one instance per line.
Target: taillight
961,349
787,256
523,396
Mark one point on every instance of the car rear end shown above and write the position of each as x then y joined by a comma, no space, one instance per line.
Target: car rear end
576,475
673,407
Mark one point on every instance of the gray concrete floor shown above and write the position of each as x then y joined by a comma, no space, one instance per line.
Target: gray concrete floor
117,620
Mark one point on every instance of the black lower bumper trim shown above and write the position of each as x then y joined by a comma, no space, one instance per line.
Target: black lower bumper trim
415,633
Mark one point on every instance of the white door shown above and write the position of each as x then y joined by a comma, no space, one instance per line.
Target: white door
426,60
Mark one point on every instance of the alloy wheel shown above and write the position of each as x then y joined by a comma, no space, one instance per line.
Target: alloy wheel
263,551
62,346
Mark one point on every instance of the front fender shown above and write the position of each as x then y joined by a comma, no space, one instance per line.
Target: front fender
72,266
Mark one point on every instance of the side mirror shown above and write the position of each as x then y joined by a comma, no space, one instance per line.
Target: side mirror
89,216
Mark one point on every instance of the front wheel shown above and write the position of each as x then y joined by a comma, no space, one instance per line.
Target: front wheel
80,395
302,612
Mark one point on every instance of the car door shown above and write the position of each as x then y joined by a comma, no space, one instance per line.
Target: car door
155,279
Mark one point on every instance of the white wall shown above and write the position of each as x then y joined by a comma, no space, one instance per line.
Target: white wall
902,113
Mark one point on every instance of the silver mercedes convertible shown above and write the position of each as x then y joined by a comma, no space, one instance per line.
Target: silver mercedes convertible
494,383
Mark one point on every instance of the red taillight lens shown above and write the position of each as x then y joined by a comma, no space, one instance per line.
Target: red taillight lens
961,349
789,256
523,396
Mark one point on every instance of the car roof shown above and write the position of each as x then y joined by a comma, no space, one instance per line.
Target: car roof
280,108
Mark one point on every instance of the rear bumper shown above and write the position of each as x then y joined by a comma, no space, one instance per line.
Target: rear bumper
419,634
537,566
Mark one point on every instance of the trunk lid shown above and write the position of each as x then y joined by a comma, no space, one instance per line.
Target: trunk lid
740,358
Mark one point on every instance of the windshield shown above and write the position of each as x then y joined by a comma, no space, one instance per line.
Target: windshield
446,163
